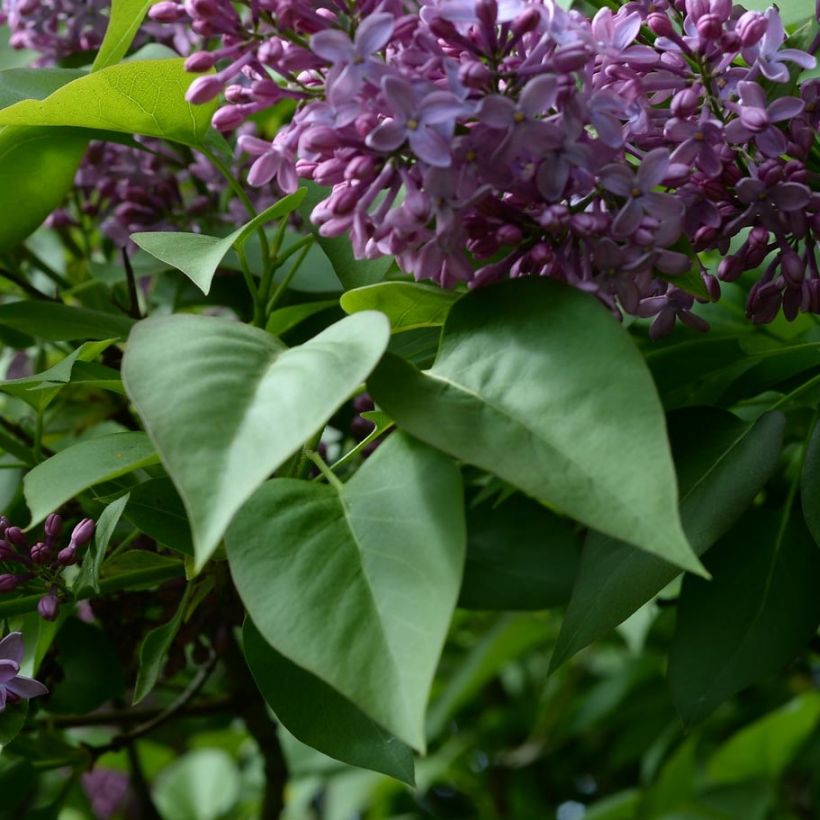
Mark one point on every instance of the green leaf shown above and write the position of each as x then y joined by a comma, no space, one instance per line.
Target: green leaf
537,383
352,272
319,716
791,11
56,322
810,484
408,305
156,509
125,18
136,569
764,748
91,667
286,318
201,785
12,720
154,651
145,97
75,469
390,544
722,464
519,556
242,403
27,157
198,255
88,581
760,609
18,84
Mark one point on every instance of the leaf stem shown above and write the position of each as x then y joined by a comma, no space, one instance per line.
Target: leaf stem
325,470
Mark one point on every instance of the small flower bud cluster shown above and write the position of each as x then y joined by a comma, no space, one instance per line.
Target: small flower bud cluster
476,140
28,567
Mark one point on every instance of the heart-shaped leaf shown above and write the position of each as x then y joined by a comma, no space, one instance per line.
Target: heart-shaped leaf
319,716
356,584
232,403
536,382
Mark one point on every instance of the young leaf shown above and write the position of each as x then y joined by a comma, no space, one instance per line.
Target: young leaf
810,484
27,157
242,403
759,610
722,464
88,581
56,322
75,469
154,651
519,556
319,716
145,97
536,383
199,255
125,18
408,305
356,584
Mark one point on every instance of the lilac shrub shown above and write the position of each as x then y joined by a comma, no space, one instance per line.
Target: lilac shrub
477,141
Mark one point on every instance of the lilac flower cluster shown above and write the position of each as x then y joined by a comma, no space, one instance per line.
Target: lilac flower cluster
57,29
39,566
477,140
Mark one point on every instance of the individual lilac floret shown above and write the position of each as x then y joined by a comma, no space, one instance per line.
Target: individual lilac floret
770,58
13,685
756,119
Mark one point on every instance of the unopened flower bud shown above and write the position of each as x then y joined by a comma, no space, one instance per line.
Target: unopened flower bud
685,103
709,27
228,118
660,24
526,21
792,267
48,607
53,525
16,536
166,12
200,61
474,74
67,556
40,553
9,582
751,27
203,89
83,532
4,525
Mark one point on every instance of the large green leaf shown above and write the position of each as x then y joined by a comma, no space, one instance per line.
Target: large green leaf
722,464
69,472
242,403
56,322
408,305
519,556
356,583
758,611
145,97
203,784
810,484
156,509
27,157
198,255
791,11
537,383
125,18
18,84
764,748
319,716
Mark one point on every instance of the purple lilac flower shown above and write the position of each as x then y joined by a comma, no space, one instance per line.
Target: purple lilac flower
477,141
13,685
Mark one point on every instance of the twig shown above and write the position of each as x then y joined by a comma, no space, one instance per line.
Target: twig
147,808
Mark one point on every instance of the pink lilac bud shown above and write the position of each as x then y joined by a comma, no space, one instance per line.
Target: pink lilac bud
203,89
792,267
67,556
526,22
16,536
48,607
200,61
83,532
9,582
228,118
4,525
167,12
40,553
710,27
53,525
660,24
751,27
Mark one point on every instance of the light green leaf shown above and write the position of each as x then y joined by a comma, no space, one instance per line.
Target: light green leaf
760,609
27,157
88,581
137,569
201,785
56,322
125,18
408,305
75,469
154,651
199,255
286,318
722,464
372,621
764,748
242,403
791,11
319,716
537,383
18,84
156,509
145,97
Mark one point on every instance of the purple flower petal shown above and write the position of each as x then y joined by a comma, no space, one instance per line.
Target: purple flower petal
749,190
609,129
496,111
387,136
552,177
8,670
26,687
264,169
11,647
439,107
652,169
626,30
431,147
662,207
332,46
736,131
794,55
400,96
774,71
253,145
628,220
539,95
617,179
771,142
785,108
679,130
2,698
751,94
374,33
709,162
791,196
